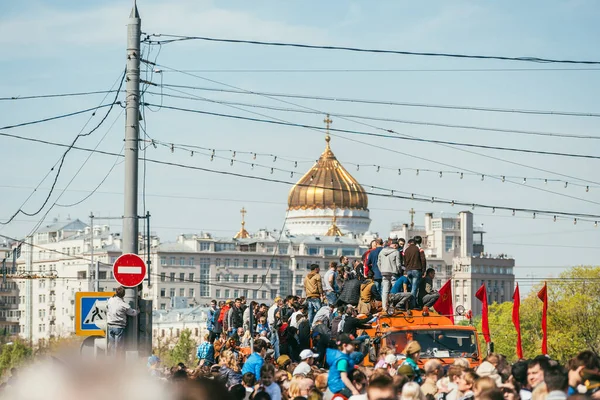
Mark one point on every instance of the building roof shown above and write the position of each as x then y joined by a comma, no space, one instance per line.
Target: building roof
190,314
174,247
68,225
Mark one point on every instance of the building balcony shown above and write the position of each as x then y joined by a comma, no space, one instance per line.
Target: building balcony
9,306
11,320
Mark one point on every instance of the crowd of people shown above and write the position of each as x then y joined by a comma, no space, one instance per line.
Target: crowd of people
314,347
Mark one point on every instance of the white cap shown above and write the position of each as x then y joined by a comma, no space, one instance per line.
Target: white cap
305,354
390,359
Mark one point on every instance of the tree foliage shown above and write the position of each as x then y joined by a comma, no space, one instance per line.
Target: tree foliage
573,318
13,355
184,350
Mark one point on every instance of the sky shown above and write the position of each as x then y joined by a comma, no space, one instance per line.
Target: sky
74,46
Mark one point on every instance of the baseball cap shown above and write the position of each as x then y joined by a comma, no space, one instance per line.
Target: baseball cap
412,347
406,370
305,354
283,359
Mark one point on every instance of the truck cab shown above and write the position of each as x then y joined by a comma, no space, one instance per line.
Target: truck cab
438,336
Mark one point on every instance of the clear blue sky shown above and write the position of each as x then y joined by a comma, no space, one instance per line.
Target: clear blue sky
66,46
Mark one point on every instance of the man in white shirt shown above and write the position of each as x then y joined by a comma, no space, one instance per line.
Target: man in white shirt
117,312
308,359
272,310
324,315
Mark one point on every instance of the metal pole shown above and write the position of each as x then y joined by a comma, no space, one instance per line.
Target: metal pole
92,249
148,245
130,215
97,288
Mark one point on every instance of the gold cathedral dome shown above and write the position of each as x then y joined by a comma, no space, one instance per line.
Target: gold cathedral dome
327,185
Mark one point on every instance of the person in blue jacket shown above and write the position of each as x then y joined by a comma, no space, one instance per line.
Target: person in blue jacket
256,360
372,263
340,365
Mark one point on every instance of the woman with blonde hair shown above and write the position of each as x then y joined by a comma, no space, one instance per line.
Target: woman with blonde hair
230,370
412,391
483,383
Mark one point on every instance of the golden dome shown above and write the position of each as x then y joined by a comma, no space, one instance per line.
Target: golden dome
327,185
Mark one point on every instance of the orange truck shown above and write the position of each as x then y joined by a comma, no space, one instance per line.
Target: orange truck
438,336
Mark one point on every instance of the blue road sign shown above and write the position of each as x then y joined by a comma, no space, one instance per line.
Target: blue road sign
87,314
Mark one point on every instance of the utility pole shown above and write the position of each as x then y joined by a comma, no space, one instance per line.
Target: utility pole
130,215
92,250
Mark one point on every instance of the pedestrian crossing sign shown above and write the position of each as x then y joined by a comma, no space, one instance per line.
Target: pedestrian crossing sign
87,312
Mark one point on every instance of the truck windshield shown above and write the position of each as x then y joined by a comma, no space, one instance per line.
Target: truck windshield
436,343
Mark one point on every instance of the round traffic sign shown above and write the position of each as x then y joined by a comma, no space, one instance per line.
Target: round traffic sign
129,270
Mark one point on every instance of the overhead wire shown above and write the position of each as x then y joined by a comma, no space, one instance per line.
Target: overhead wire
400,121
235,88
388,194
381,102
69,148
372,134
180,38
371,70
55,95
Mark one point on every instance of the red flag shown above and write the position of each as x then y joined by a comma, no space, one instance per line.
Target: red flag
543,296
516,320
485,327
443,305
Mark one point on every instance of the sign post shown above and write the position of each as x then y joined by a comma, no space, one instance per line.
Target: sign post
90,313
129,270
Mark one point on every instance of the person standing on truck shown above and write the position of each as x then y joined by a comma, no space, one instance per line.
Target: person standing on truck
427,294
372,262
329,284
415,264
314,291
413,353
389,262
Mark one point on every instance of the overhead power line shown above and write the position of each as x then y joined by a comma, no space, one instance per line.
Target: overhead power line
400,121
385,102
371,70
500,148
64,155
180,38
54,95
39,121
389,193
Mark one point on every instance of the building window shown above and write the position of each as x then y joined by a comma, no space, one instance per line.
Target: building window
264,263
236,293
191,277
217,262
329,251
204,246
245,280
438,268
172,292
172,277
313,251
218,293
102,275
254,263
254,278
348,252
204,277
273,293
255,294
298,279
227,278
448,243
227,293
438,283
182,261
224,246
227,262
81,274
163,261
181,292
236,278
273,279
448,269
182,277
172,261
163,292
236,262
245,263
191,262
218,277
299,293
191,292
263,294
263,279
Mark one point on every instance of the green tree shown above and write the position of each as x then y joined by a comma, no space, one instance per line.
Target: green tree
184,350
573,318
13,355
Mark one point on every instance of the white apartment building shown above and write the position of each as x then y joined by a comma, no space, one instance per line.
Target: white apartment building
455,249
167,325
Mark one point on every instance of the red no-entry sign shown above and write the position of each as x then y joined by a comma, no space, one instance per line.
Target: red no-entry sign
129,270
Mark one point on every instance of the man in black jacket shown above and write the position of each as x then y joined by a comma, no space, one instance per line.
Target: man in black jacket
237,316
351,291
